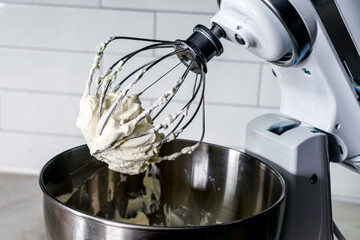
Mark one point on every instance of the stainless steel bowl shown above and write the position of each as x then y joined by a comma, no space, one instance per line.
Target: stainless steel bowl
244,196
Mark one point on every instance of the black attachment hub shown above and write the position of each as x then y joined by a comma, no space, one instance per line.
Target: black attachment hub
202,46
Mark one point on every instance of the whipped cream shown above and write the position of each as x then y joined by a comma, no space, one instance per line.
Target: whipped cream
120,144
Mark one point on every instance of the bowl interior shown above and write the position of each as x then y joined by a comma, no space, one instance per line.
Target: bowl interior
211,186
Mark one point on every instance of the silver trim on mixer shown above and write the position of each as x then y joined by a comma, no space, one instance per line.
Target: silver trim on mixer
296,29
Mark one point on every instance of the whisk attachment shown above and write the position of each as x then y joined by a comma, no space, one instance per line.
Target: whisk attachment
117,128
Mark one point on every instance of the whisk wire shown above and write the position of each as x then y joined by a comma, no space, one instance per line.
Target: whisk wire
159,78
183,116
176,88
120,62
183,112
202,82
175,132
140,71
102,47
147,66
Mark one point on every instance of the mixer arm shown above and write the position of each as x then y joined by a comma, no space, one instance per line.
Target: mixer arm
313,53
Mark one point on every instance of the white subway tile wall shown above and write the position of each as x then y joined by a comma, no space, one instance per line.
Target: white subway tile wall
45,71
47,48
39,112
24,152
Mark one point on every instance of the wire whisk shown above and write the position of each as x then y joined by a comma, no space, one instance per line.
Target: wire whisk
129,144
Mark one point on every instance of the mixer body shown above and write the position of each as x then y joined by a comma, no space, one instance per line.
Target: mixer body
300,153
313,48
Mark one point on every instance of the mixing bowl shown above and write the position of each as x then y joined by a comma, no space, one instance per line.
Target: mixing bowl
215,193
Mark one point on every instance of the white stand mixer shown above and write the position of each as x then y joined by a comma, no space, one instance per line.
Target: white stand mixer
313,47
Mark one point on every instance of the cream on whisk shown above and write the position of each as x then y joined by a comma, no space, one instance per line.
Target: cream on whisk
117,129
119,145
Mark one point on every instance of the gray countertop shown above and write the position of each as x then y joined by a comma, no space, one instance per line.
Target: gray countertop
21,210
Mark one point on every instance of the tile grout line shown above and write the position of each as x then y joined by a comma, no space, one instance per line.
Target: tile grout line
155,30
42,49
237,61
241,105
34,91
1,99
19,171
161,11
155,24
56,5
259,87
107,8
51,134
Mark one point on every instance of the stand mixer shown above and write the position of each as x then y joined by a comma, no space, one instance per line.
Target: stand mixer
313,48
314,52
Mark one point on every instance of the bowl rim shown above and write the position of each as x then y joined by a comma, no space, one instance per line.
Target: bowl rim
109,222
